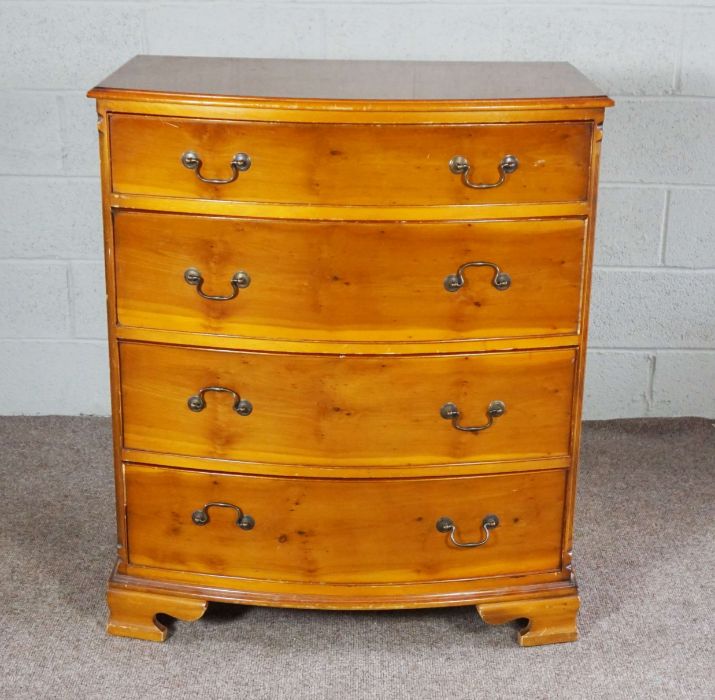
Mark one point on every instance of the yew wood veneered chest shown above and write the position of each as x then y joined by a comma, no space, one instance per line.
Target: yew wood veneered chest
347,311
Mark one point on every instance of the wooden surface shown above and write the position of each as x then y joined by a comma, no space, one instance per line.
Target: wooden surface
548,621
350,164
492,82
311,409
345,341
133,613
345,281
344,531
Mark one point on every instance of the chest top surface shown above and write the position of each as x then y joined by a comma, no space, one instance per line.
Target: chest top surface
228,79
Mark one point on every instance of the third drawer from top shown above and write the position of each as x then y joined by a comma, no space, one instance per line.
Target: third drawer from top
347,410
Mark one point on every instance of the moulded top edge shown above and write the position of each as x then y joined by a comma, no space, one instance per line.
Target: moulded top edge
352,84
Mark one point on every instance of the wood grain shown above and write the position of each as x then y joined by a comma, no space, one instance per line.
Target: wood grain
368,411
134,613
345,341
348,281
490,83
548,621
343,531
350,164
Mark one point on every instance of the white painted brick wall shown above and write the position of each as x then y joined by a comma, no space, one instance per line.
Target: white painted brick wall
691,228
653,321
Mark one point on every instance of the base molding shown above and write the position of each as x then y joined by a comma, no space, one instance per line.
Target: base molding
550,609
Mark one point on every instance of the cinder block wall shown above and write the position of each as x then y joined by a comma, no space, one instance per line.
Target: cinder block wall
653,322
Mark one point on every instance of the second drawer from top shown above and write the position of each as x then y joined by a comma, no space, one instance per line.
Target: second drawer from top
349,281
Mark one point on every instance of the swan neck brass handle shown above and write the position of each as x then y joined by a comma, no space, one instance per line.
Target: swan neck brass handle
447,525
201,516
239,163
459,165
450,412
240,280
501,280
197,402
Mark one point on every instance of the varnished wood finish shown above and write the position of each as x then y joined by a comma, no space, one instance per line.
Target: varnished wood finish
346,342
547,621
338,347
344,531
312,409
350,164
319,212
133,613
397,84
337,596
348,281
341,471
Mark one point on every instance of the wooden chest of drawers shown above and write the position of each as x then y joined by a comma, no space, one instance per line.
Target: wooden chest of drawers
347,317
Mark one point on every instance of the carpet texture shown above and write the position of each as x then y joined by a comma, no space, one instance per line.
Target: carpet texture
643,557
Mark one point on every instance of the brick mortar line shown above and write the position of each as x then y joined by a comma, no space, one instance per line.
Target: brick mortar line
615,268
51,260
603,349
82,92
356,3
663,240
605,184
48,341
649,400
660,268
599,349
58,176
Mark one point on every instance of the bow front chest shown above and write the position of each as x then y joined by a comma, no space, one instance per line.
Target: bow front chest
347,320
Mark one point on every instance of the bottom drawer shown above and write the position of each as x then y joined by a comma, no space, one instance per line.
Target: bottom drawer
343,530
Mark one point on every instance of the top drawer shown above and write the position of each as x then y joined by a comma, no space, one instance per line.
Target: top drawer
349,164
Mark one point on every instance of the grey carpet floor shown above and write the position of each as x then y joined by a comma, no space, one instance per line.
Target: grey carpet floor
644,559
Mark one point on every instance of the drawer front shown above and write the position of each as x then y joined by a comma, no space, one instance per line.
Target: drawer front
346,410
349,164
343,530
349,281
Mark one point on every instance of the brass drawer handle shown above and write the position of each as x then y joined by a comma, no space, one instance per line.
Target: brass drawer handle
239,163
501,280
450,412
201,516
197,402
240,280
459,165
447,525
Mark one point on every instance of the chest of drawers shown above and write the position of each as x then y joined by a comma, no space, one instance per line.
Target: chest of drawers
347,309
